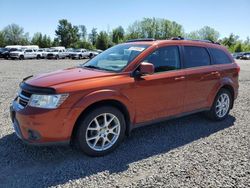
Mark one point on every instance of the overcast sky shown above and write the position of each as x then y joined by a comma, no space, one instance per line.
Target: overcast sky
226,16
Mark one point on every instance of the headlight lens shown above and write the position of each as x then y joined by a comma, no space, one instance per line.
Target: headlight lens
47,101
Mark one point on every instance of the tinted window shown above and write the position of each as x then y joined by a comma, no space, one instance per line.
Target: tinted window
165,59
28,50
196,56
219,56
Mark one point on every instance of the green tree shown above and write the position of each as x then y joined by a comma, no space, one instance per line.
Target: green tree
14,34
102,41
84,44
2,39
154,28
37,39
230,41
205,33
55,42
238,47
83,32
118,35
67,34
93,36
46,42
246,45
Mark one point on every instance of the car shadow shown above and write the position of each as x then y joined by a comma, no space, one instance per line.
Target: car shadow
31,166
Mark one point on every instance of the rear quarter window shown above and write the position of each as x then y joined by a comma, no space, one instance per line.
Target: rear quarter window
219,56
196,56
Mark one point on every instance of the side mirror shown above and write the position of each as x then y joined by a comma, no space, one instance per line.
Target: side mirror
146,68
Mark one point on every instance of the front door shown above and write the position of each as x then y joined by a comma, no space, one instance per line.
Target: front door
161,94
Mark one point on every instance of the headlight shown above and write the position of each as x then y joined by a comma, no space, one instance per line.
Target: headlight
47,101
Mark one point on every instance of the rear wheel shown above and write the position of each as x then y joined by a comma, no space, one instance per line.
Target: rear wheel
221,106
57,57
100,131
38,57
90,55
21,57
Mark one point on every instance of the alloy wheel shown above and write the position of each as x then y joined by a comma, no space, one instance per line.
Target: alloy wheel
103,132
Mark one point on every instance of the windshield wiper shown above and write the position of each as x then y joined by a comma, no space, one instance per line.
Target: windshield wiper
95,67
91,67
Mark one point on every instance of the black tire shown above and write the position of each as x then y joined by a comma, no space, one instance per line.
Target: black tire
57,57
211,114
38,57
83,123
21,57
80,56
90,55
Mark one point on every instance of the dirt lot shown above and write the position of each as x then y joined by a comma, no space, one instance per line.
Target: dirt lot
187,152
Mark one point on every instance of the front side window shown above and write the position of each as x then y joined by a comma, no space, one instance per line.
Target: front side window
219,56
116,58
165,59
195,56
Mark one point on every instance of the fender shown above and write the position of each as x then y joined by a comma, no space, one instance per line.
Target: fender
106,94
222,82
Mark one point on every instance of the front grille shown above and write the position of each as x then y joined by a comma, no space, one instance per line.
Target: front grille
23,98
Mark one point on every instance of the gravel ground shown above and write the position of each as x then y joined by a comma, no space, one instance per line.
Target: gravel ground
187,152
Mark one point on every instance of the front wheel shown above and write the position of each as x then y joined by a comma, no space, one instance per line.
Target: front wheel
21,57
101,131
221,106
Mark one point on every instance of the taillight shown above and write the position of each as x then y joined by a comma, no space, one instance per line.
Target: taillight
236,73
238,69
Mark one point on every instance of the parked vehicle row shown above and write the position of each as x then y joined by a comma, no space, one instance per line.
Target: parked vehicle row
241,55
33,52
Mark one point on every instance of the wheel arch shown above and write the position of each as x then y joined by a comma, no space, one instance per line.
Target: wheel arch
231,90
120,103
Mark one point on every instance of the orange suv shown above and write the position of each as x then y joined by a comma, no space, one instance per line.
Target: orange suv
135,83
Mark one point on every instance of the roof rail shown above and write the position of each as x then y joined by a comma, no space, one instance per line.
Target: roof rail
198,40
177,38
141,39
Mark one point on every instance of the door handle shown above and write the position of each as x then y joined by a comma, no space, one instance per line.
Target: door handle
215,73
179,78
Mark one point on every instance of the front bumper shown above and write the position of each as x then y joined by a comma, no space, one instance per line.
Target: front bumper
14,56
40,126
50,56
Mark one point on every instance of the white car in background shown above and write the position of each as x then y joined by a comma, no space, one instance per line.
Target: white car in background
57,54
42,52
79,54
24,54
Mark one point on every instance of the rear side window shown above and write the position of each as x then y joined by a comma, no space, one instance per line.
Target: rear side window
196,56
219,56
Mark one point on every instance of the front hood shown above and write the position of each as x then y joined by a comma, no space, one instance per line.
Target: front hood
65,76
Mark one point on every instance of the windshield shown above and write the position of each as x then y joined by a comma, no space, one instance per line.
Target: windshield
116,58
77,50
18,50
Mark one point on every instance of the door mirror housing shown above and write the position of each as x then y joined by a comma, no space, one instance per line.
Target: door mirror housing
146,68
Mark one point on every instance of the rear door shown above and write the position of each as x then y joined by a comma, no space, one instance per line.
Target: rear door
201,77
